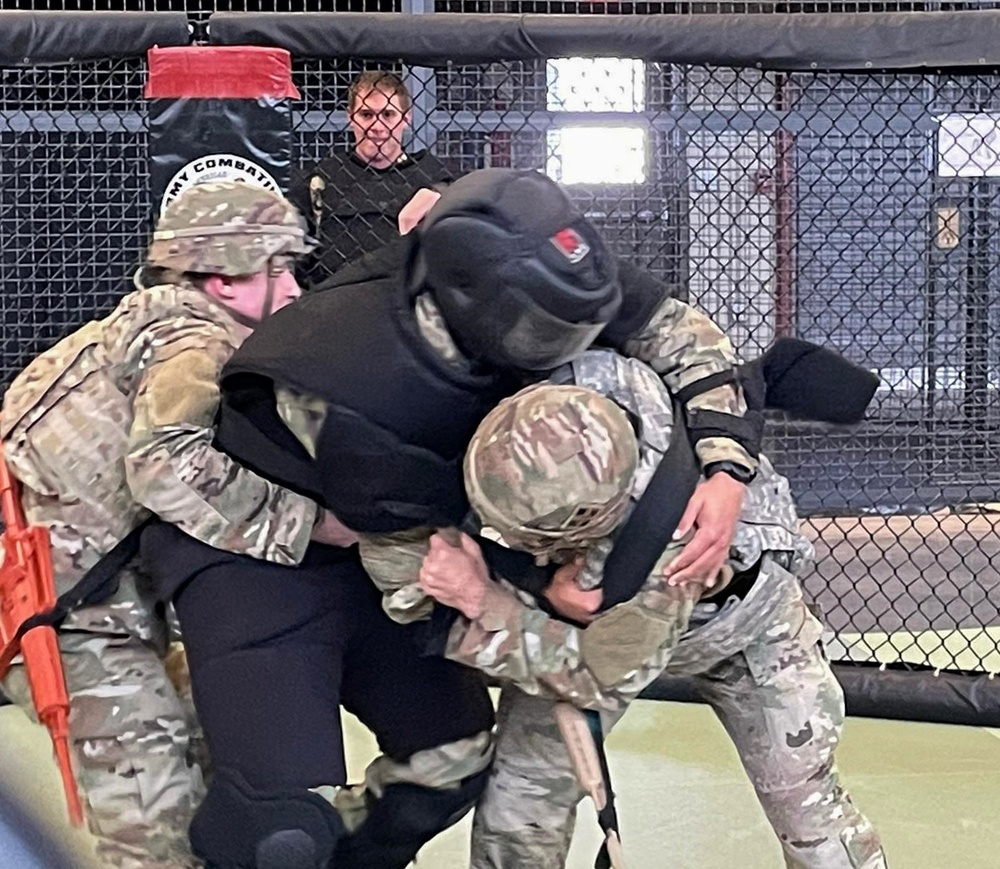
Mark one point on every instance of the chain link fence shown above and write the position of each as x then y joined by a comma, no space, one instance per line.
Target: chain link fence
811,204
856,210
197,9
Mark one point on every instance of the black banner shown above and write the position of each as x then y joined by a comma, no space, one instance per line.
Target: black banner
218,114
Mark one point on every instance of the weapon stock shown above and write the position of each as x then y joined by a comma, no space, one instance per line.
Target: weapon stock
580,743
582,749
27,588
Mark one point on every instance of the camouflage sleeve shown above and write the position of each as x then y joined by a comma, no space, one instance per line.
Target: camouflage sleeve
603,666
393,562
172,467
683,346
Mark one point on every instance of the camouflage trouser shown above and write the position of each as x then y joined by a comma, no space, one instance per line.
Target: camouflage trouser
129,729
130,734
761,667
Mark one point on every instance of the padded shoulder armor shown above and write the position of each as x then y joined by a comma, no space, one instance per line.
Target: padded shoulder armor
642,294
397,418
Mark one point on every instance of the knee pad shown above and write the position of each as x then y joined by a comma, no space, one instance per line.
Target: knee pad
404,820
239,827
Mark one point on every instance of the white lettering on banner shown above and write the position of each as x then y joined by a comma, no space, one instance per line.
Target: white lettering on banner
217,167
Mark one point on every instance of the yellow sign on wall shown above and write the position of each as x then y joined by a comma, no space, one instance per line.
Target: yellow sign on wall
946,235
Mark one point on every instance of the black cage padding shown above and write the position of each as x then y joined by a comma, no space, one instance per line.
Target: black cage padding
65,37
897,691
795,41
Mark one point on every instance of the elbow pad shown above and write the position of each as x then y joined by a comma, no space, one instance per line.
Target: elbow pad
746,430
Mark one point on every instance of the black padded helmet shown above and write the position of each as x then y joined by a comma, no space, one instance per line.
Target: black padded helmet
522,279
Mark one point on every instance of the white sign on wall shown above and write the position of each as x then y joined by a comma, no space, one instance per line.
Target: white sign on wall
969,145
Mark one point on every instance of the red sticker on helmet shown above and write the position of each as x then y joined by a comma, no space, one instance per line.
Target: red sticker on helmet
570,244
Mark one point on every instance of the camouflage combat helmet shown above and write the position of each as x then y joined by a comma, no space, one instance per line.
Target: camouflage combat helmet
550,469
226,228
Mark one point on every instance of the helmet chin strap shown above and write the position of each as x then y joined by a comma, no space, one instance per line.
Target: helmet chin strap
243,319
266,306
272,281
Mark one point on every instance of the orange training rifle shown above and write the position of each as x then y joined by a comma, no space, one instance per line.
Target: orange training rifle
27,589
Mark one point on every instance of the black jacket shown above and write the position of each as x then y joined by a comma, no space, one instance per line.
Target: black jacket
398,418
352,207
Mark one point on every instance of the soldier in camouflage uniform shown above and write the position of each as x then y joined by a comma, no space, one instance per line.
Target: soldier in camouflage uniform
552,471
506,276
115,423
382,383
680,344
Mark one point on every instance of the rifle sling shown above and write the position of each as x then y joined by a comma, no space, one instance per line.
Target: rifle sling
97,584
650,528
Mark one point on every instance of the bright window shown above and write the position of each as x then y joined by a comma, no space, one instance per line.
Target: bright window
597,155
606,154
595,84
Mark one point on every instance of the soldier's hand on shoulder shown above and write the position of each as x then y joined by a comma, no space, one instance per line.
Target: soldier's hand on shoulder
456,576
713,511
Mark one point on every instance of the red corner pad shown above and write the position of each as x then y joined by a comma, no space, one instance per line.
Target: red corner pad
220,72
